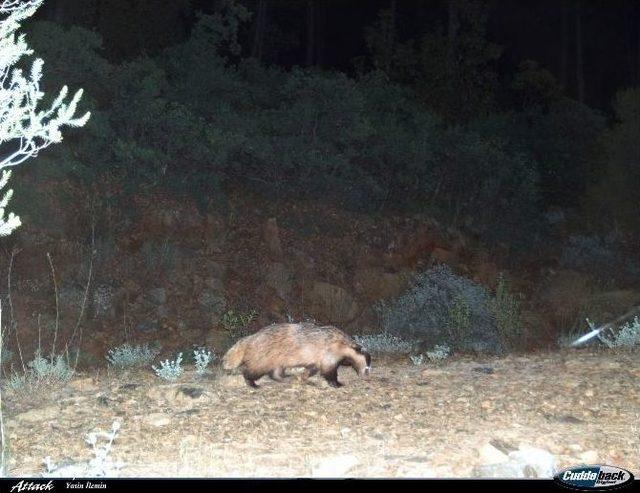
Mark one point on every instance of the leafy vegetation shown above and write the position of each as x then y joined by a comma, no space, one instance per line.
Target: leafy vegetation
128,356
442,307
626,336
235,323
169,370
505,307
197,116
202,358
39,374
384,343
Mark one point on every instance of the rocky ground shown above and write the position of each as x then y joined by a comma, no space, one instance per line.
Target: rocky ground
458,418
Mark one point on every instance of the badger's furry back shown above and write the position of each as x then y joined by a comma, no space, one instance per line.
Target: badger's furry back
280,346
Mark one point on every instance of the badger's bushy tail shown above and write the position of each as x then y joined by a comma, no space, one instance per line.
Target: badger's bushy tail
234,356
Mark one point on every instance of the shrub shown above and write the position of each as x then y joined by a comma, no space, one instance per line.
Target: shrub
459,321
439,352
505,308
587,252
627,336
424,312
417,359
236,323
614,195
486,182
202,358
128,356
169,370
100,465
41,373
384,343
603,257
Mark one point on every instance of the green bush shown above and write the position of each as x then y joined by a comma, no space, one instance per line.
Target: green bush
197,116
506,310
613,196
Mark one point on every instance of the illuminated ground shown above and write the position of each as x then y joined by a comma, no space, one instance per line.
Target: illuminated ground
404,421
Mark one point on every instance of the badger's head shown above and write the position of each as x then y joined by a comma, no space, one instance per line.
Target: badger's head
361,361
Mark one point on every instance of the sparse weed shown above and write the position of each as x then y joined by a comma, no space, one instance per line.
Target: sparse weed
202,358
54,369
6,355
236,323
439,352
169,370
128,356
101,465
40,373
459,321
417,359
566,339
505,308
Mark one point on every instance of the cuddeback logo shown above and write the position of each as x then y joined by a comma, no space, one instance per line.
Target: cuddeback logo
31,486
594,477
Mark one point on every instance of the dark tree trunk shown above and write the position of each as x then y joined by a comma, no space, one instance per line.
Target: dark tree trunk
452,35
258,35
57,11
321,30
638,50
579,54
310,33
564,47
392,35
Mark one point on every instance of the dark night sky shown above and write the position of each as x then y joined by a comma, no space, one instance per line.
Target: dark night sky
524,29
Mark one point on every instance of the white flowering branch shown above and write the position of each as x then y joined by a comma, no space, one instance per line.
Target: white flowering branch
23,123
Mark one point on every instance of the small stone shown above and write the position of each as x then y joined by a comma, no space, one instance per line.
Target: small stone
162,311
212,301
158,296
539,463
39,414
83,384
502,470
158,419
191,392
333,467
589,457
491,455
214,283
146,326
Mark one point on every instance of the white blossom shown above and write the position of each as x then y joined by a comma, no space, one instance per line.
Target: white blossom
25,127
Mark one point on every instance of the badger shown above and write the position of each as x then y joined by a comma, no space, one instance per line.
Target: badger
273,349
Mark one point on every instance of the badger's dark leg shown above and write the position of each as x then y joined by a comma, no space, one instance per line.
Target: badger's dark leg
277,374
331,376
251,378
309,371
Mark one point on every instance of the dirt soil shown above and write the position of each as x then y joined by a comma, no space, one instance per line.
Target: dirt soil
404,421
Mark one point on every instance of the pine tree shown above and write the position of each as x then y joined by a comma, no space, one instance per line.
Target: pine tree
25,127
